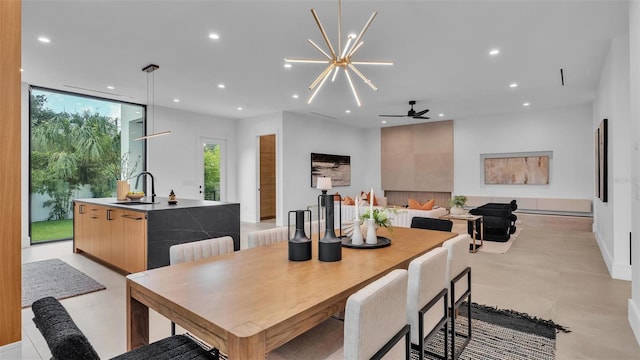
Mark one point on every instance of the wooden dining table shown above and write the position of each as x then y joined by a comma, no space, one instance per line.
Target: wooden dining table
252,301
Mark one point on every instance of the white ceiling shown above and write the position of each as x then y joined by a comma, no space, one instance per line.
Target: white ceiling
440,50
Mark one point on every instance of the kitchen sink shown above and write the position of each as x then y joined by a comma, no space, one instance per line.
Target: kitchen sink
134,203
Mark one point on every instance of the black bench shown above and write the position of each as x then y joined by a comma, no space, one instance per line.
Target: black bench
67,342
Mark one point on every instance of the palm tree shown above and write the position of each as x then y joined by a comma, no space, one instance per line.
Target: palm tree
69,151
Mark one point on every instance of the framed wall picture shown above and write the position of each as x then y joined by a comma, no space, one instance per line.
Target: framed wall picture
517,168
603,163
337,167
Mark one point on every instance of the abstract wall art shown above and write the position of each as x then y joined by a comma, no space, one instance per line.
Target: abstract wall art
520,170
337,167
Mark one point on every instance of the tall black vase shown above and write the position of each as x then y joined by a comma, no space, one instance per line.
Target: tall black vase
330,246
300,243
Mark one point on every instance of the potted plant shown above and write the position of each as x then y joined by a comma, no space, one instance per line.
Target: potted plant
457,203
381,217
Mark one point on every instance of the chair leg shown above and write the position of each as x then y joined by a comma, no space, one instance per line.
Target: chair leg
173,328
455,311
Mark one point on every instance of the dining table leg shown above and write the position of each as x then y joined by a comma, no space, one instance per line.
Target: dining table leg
137,322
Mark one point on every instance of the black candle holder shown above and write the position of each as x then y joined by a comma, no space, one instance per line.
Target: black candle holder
330,246
300,243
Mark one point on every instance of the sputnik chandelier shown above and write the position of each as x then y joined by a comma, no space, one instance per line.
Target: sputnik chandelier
340,59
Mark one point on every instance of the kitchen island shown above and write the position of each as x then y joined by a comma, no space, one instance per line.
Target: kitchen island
134,236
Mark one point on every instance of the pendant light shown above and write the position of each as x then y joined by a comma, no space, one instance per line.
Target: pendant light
149,69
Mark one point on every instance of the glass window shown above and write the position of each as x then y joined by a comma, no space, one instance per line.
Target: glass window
80,146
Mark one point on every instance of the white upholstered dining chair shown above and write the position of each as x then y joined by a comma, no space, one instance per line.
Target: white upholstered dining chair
374,327
458,277
196,250
427,300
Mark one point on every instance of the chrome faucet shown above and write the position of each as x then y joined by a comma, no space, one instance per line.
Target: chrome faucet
153,186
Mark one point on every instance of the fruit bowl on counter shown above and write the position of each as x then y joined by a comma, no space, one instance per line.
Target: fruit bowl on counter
135,196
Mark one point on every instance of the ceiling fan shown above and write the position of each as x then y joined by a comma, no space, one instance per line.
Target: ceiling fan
411,113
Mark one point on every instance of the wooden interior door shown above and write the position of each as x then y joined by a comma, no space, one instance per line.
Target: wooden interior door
267,177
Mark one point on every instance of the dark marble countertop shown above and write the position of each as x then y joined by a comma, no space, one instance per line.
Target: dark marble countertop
144,204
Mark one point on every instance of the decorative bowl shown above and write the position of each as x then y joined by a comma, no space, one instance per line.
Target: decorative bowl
135,196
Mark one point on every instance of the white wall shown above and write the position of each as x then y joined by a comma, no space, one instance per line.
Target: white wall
567,132
175,160
634,76
249,131
306,135
297,136
613,219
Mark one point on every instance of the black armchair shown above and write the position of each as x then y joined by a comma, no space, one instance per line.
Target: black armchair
499,220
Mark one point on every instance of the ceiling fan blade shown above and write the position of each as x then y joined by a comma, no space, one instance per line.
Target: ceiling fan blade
421,117
392,115
420,113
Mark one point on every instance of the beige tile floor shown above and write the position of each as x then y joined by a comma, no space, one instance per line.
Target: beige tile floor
558,275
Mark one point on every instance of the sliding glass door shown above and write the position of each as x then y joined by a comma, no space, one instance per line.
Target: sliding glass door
79,147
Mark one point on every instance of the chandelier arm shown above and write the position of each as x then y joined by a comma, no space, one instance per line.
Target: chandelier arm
364,30
324,33
372,62
346,48
353,88
319,87
323,75
307,61
319,49
364,78
354,49
335,73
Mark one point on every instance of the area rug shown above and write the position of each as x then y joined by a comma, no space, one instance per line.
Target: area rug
496,247
496,335
56,278
502,335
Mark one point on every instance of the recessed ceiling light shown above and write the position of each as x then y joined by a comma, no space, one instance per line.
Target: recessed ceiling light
384,121
287,65
176,100
221,86
494,52
44,39
214,36
295,96
21,69
352,36
526,104
240,108
441,114
513,85
110,87
348,111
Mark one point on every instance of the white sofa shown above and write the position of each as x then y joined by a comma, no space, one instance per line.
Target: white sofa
400,217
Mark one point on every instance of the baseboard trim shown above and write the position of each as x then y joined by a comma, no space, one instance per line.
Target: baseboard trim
606,256
621,272
634,319
9,347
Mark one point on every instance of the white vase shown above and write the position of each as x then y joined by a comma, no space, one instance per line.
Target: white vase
372,236
356,236
456,210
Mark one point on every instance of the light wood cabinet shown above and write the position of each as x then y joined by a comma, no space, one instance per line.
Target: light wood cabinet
115,236
135,241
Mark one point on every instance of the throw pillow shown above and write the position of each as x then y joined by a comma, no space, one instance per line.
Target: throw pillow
349,201
414,204
337,197
428,205
366,195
